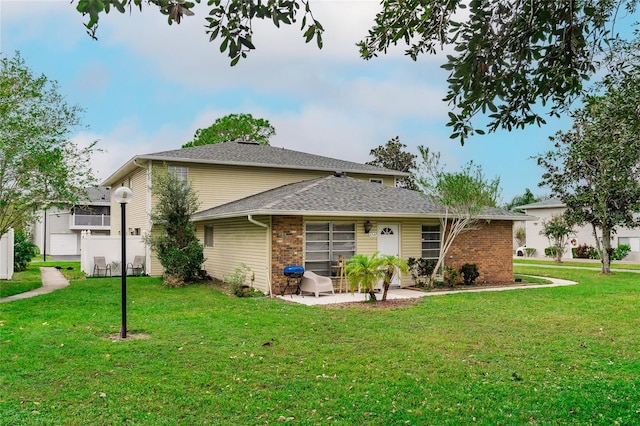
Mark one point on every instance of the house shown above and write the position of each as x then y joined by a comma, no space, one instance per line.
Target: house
57,231
270,207
545,209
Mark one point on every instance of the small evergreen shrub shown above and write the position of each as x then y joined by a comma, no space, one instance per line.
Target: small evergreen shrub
421,270
451,276
23,251
469,272
550,251
620,252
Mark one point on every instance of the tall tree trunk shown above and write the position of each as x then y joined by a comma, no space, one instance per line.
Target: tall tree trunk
606,250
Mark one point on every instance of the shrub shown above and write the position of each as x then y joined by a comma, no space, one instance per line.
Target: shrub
620,252
469,272
451,276
23,251
237,278
529,251
584,251
421,270
551,251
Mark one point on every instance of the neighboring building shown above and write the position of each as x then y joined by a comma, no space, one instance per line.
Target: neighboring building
57,231
270,207
544,210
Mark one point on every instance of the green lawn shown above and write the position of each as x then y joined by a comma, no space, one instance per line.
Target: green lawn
565,355
583,264
30,279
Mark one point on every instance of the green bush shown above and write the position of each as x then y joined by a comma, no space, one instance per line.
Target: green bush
584,251
530,251
469,272
451,276
421,269
237,278
23,251
620,252
550,251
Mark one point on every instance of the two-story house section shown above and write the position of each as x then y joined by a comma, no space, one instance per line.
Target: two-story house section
269,207
57,231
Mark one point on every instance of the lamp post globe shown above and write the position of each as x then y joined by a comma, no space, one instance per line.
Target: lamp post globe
123,195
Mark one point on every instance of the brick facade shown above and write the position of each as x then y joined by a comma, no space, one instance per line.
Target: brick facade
287,248
490,247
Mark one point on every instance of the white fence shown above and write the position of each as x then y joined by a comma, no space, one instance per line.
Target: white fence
6,255
110,247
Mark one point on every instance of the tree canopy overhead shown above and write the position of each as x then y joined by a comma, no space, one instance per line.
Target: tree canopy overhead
39,165
392,156
234,127
508,55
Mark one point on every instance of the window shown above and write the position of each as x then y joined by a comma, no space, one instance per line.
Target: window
633,242
181,173
208,236
324,242
376,180
430,241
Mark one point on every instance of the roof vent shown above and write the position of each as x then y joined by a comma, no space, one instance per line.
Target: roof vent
246,142
338,173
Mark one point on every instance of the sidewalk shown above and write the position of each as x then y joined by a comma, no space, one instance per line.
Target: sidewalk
52,279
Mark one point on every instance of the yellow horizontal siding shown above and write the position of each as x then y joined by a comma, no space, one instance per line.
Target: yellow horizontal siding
237,241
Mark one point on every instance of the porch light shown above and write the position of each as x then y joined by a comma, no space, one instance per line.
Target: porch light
367,227
123,195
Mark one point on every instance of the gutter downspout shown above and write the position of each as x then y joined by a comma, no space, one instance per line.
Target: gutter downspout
266,227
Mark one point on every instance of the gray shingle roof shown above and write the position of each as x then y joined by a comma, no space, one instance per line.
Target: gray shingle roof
549,202
338,196
251,154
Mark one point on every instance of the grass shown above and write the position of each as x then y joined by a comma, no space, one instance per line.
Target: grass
29,279
565,355
595,264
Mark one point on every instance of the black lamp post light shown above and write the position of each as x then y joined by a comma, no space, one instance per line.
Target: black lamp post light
123,195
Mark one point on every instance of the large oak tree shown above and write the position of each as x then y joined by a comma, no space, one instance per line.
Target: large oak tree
508,55
39,166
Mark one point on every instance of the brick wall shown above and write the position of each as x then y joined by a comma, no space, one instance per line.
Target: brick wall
287,239
490,247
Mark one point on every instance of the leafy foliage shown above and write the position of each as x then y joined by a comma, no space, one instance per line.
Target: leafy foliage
393,157
595,167
234,127
421,270
363,273
621,252
39,166
520,236
557,230
463,195
469,272
176,245
237,278
451,276
508,55
23,251
520,200
390,266
584,251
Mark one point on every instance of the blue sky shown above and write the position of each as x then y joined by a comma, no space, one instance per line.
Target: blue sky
147,86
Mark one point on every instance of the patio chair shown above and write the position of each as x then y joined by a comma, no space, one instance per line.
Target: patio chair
100,264
137,266
314,283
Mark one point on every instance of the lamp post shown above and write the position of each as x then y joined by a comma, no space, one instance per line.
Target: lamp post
123,195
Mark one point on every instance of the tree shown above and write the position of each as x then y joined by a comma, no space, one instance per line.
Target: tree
39,166
595,167
390,266
363,273
393,157
176,245
520,200
234,127
557,230
463,195
508,55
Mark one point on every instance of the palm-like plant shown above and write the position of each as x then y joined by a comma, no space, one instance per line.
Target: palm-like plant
364,272
389,265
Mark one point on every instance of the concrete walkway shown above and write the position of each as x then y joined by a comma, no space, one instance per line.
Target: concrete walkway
405,293
52,280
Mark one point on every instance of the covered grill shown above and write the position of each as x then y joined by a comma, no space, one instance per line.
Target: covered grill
293,272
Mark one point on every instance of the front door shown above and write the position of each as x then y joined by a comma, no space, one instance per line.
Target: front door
389,243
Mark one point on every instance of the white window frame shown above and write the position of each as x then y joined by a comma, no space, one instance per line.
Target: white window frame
208,236
180,172
428,235
324,266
